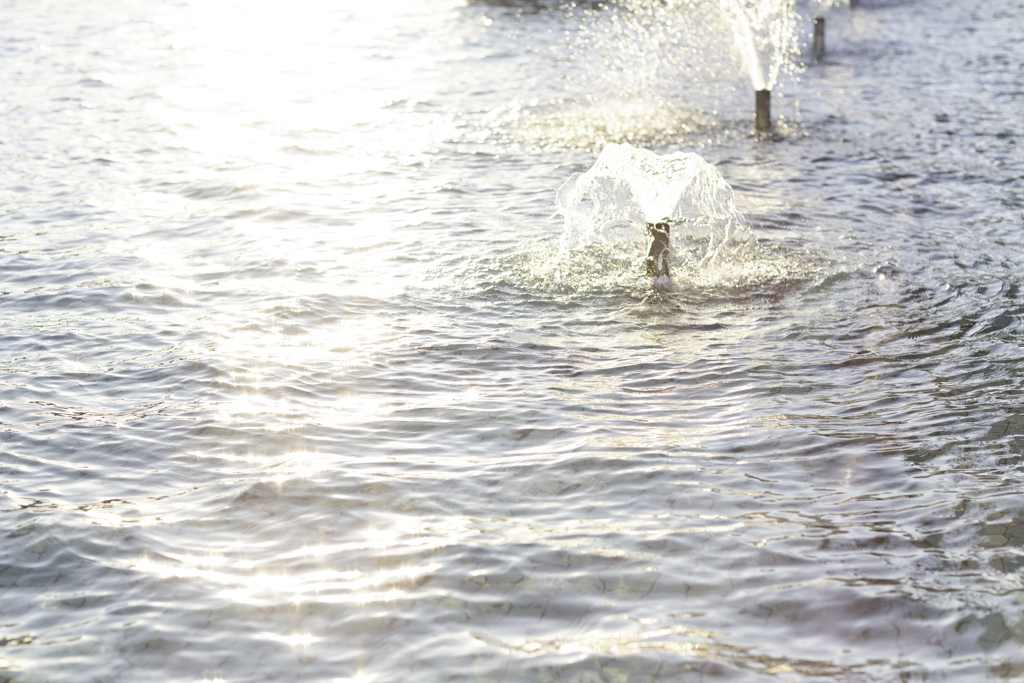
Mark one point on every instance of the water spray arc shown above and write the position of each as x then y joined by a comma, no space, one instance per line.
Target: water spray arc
635,191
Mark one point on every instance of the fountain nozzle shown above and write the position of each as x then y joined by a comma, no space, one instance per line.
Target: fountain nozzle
763,110
657,254
819,35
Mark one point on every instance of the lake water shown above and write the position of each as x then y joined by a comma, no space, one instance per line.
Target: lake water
300,381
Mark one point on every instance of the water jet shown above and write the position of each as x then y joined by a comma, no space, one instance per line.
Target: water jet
763,110
819,35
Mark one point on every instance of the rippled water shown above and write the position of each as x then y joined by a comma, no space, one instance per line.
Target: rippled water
295,387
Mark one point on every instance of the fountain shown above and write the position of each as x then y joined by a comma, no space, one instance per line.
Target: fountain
650,72
654,194
764,32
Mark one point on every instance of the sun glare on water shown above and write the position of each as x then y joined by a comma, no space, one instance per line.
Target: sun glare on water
263,82
296,128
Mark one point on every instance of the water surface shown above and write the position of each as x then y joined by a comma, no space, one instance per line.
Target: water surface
295,387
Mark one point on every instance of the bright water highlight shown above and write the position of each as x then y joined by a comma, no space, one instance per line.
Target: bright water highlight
304,381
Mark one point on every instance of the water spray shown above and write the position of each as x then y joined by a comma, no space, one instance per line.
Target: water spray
819,35
632,192
763,110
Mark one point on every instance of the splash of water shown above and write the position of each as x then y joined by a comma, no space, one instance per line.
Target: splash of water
653,73
647,72
604,245
627,188
765,35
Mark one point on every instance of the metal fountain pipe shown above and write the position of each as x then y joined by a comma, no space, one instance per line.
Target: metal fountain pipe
763,110
819,35
657,254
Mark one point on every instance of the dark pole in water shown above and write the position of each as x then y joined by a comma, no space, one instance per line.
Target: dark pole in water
763,110
657,255
819,35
